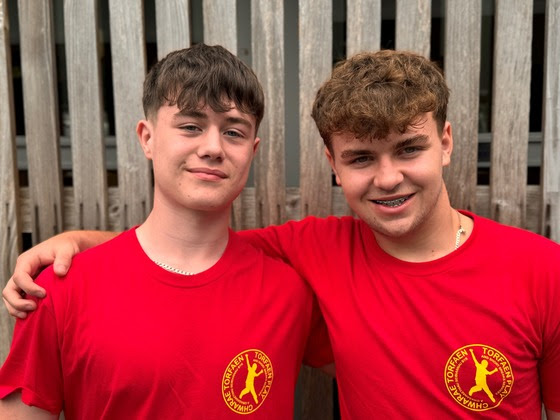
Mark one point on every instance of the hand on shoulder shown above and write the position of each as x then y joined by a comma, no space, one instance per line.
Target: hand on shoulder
59,251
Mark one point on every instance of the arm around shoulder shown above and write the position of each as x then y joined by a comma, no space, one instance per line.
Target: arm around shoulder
12,407
59,251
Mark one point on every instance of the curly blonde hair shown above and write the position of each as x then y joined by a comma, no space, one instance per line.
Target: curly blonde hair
373,94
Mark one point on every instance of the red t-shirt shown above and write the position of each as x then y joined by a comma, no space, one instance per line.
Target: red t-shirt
473,334
120,337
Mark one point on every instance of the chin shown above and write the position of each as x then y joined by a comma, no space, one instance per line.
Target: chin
393,229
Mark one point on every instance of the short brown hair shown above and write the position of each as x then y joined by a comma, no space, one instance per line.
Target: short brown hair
372,94
202,75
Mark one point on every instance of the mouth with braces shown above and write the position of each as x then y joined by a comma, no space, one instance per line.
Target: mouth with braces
392,203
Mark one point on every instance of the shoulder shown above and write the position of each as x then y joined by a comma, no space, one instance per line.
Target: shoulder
320,226
97,262
525,252
117,248
256,259
512,238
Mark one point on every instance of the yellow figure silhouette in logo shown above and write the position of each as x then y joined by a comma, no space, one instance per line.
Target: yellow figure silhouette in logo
480,378
250,381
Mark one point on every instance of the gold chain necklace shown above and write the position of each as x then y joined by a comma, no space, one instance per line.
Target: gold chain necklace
459,231
174,270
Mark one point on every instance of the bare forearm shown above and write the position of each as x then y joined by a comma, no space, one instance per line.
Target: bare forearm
552,415
13,408
86,239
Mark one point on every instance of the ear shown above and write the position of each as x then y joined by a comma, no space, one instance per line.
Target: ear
330,158
256,145
446,143
144,132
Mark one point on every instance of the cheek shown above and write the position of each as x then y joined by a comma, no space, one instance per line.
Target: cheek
242,159
354,183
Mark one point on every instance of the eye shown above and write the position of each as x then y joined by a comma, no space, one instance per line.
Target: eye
360,160
190,128
410,150
233,133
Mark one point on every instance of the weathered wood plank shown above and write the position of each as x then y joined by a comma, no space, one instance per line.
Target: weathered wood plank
128,56
40,101
510,110
462,72
363,26
315,66
550,219
172,26
220,23
413,26
10,232
267,20
86,113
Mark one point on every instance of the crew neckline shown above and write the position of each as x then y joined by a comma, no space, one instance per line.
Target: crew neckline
438,265
186,281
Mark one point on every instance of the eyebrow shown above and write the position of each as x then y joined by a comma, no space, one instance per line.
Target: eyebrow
357,152
238,120
419,138
190,113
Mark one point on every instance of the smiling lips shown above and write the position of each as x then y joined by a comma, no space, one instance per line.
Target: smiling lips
210,173
392,203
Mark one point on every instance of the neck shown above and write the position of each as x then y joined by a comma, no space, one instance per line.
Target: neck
187,240
433,238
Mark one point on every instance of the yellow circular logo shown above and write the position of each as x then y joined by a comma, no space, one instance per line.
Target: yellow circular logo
247,381
478,377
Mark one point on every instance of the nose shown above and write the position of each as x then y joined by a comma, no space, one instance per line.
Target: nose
211,145
387,175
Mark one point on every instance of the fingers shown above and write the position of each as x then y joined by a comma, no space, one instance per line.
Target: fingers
13,298
62,263
22,281
28,265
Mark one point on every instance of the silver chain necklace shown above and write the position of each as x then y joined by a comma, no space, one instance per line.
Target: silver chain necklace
174,270
459,232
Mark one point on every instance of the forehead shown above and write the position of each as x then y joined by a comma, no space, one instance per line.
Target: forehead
422,129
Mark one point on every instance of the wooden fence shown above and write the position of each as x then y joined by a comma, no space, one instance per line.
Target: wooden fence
45,207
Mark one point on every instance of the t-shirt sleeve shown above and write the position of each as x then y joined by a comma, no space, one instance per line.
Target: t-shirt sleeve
33,364
271,240
285,242
549,367
318,350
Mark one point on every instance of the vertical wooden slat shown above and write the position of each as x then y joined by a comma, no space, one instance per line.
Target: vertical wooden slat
172,26
40,101
550,219
10,226
268,62
128,56
462,72
510,110
363,26
220,23
413,26
86,114
220,28
315,65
